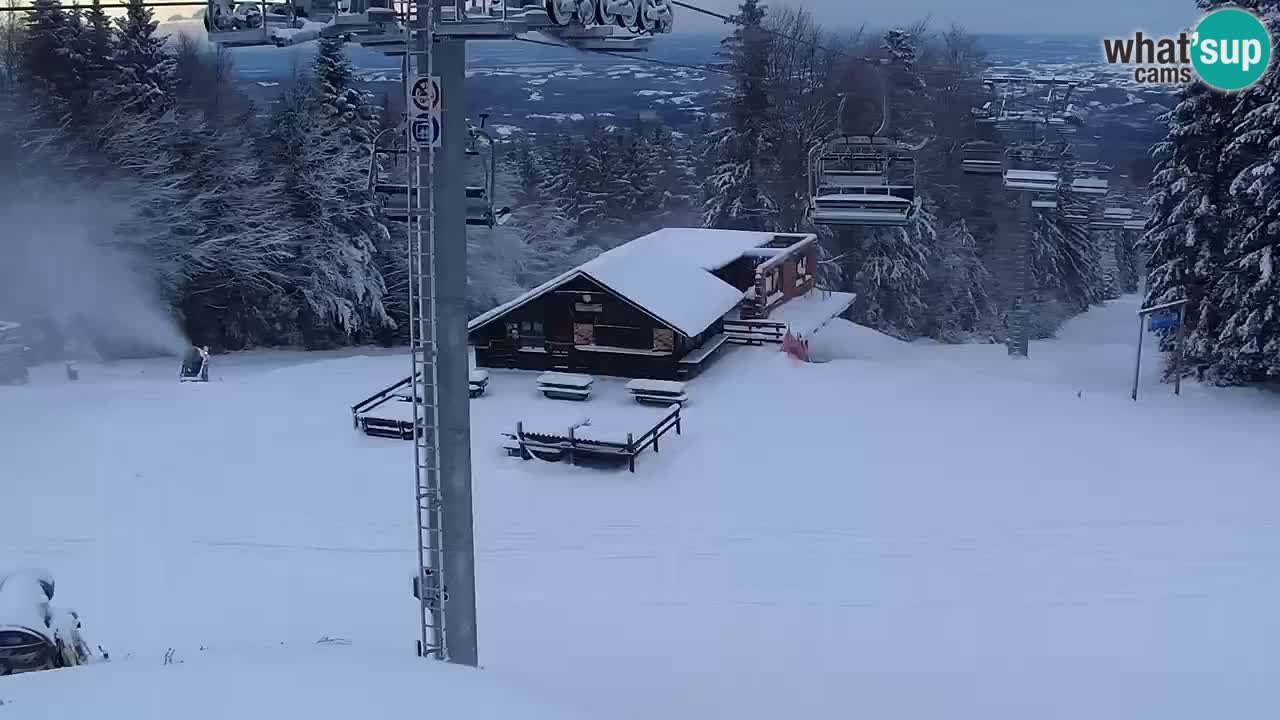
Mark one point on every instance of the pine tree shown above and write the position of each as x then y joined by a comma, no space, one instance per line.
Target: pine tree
674,179
347,110
737,196
647,168
605,176
906,87
528,164
959,305
1247,291
99,44
891,275
1127,262
1082,277
575,180
211,220
144,70
1184,237
53,65
333,269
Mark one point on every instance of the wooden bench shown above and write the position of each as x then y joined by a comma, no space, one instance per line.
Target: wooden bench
565,386
478,382
511,444
658,392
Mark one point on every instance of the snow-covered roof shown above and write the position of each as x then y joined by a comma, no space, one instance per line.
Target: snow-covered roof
698,247
666,273
23,603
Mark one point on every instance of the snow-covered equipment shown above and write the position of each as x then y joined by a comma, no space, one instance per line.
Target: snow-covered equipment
195,366
477,382
34,635
13,361
381,24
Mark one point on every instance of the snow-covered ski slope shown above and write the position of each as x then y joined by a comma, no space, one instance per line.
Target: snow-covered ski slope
916,532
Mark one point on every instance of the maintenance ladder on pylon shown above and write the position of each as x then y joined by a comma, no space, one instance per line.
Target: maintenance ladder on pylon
423,340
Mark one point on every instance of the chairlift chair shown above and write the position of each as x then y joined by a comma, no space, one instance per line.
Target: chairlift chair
861,181
396,201
1090,179
1120,217
861,210
860,177
1077,214
982,158
1032,167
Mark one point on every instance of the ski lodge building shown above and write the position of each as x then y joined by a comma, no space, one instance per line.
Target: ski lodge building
661,306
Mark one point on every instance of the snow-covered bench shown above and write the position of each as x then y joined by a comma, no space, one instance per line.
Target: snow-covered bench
658,392
565,386
478,382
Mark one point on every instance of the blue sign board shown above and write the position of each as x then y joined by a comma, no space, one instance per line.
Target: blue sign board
426,130
1163,321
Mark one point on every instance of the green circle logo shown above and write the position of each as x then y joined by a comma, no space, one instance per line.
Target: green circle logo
1231,49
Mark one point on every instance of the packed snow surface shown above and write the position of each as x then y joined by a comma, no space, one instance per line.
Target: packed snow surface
328,680
903,531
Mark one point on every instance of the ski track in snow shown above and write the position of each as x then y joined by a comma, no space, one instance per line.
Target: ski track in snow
908,531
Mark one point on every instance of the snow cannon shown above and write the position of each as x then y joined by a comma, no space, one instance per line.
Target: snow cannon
33,634
195,366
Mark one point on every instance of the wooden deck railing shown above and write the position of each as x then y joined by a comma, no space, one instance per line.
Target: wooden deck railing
569,444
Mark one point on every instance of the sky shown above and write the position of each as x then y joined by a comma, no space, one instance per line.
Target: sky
1086,17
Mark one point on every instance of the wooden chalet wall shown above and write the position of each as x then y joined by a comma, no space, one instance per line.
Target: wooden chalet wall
784,277
581,327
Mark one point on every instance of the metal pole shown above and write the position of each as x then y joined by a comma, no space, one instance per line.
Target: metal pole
1177,358
454,358
1137,364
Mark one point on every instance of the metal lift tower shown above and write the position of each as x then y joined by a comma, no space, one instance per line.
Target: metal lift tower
438,246
431,36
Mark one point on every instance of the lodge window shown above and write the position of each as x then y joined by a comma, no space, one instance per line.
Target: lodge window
622,336
771,282
802,266
528,333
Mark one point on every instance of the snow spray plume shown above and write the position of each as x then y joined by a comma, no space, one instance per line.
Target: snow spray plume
64,270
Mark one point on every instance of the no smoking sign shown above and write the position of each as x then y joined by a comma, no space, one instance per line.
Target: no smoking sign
425,94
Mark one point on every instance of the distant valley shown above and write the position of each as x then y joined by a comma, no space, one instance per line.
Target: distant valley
529,88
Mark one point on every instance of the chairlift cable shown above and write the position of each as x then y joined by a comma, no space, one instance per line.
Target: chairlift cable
627,56
781,35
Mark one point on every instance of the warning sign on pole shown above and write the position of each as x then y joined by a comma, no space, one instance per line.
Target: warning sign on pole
425,100
425,94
